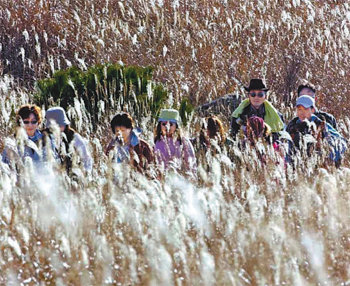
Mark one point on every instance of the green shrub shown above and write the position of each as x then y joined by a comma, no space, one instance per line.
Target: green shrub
122,88
185,110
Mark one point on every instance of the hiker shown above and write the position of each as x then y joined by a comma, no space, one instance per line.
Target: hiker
307,128
210,143
256,105
127,146
27,143
212,135
310,90
66,139
172,150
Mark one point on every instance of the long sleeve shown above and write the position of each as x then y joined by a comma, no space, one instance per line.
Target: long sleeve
110,146
10,150
234,127
189,157
82,149
4,156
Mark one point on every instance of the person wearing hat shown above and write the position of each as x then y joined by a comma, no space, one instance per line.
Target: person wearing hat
306,123
256,105
67,140
172,150
127,146
310,90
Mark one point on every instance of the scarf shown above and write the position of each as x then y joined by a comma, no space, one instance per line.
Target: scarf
271,115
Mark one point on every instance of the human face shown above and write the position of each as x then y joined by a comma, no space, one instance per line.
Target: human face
257,100
124,132
307,91
168,128
30,124
304,113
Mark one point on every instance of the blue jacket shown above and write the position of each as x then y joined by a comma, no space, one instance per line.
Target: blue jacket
28,148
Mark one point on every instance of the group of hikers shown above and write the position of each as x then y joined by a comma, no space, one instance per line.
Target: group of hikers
254,120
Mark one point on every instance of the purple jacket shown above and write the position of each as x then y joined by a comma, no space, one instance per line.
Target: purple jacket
171,153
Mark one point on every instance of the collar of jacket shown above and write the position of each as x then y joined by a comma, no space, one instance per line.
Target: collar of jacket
134,137
37,136
258,112
271,117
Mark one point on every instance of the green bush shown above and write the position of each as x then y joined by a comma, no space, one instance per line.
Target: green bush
185,110
124,88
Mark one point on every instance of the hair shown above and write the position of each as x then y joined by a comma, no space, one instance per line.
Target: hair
308,86
25,111
158,132
212,128
215,127
122,119
69,131
257,128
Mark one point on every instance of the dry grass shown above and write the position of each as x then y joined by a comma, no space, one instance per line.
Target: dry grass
241,223
201,49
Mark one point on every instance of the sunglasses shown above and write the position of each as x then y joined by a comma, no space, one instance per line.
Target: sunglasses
259,94
26,122
164,123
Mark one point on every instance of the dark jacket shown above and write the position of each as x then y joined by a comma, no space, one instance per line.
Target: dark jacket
328,117
297,129
336,142
249,111
145,155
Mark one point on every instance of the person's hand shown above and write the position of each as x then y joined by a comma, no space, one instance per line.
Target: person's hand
119,138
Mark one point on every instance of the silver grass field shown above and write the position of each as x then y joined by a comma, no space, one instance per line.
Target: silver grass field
241,222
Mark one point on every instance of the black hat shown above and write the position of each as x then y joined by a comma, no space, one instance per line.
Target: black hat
256,84
308,86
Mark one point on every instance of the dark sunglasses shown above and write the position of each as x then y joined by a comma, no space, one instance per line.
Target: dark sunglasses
164,123
26,122
259,94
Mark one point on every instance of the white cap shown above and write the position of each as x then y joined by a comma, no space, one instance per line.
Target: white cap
56,114
306,101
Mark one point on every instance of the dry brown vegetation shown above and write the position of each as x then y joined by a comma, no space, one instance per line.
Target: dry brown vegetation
242,223
202,49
